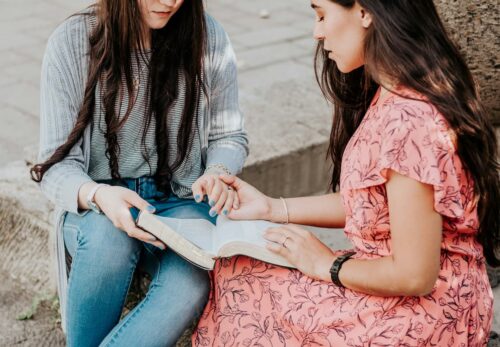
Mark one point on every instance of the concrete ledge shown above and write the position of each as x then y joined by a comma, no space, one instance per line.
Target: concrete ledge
25,221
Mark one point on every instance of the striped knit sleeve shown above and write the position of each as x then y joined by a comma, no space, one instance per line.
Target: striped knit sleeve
61,94
227,141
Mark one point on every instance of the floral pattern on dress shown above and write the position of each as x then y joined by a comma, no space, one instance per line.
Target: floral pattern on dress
253,303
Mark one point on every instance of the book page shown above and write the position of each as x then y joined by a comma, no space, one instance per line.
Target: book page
247,231
200,232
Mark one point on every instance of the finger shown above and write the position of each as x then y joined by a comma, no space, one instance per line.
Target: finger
198,189
298,230
143,236
236,203
291,232
278,249
277,235
236,215
233,181
228,206
209,185
158,244
215,193
222,199
136,201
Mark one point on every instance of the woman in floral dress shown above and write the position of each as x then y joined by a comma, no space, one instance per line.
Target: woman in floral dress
416,189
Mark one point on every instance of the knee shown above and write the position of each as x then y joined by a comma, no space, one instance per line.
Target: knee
190,283
105,244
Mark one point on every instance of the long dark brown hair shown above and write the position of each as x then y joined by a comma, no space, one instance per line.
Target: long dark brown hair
409,44
177,52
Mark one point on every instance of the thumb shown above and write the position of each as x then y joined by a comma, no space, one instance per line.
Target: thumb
233,181
236,215
135,200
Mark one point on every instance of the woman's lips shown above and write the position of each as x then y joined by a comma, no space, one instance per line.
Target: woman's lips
162,14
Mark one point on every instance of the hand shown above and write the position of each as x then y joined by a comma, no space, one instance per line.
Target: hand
253,203
115,203
221,197
302,249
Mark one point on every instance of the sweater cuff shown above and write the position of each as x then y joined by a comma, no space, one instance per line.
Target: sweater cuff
229,158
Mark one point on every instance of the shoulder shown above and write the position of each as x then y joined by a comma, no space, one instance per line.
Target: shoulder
70,38
217,38
409,115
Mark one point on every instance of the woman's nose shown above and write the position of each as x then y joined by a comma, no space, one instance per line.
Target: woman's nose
318,33
170,3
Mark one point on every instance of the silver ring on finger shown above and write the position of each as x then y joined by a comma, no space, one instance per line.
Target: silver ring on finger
283,244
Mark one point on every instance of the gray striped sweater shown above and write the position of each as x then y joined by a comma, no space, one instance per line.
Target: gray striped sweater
220,135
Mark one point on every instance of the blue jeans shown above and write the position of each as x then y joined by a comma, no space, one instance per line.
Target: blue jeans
104,261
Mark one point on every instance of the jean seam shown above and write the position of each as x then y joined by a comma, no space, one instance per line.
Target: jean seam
71,274
138,309
76,258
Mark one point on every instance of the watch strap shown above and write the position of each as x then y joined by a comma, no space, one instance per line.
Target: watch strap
337,265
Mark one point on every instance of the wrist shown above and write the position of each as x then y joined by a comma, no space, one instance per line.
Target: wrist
276,211
323,268
217,169
98,195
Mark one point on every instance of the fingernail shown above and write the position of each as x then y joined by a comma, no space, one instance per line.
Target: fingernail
197,197
212,213
152,238
211,203
225,212
150,209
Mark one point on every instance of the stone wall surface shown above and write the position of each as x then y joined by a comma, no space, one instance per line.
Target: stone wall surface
475,26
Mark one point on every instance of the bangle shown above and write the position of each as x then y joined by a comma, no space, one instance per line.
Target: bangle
219,168
286,210
91,198
337,265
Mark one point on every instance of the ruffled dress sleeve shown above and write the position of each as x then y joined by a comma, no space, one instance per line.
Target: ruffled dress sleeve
412,138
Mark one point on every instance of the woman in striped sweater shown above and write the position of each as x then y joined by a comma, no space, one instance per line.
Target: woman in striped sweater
139,109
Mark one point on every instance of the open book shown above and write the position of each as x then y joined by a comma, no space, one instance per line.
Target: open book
201,242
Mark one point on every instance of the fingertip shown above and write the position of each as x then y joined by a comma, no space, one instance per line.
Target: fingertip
272,247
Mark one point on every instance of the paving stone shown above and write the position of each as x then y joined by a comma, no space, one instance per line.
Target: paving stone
262,56
21,96
15,126
261,37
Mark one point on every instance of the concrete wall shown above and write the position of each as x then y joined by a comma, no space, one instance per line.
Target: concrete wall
474,26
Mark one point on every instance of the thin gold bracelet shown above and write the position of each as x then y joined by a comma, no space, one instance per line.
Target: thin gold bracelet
286,210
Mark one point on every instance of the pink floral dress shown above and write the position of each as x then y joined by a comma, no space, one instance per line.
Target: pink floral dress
257,304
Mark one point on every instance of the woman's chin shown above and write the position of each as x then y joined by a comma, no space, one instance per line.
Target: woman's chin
345,69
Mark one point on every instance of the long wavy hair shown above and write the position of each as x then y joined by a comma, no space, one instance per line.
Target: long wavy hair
177,54
409,44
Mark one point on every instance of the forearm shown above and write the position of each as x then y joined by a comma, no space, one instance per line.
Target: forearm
323,211
382,277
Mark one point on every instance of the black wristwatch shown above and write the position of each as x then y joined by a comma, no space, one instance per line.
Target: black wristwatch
337,265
